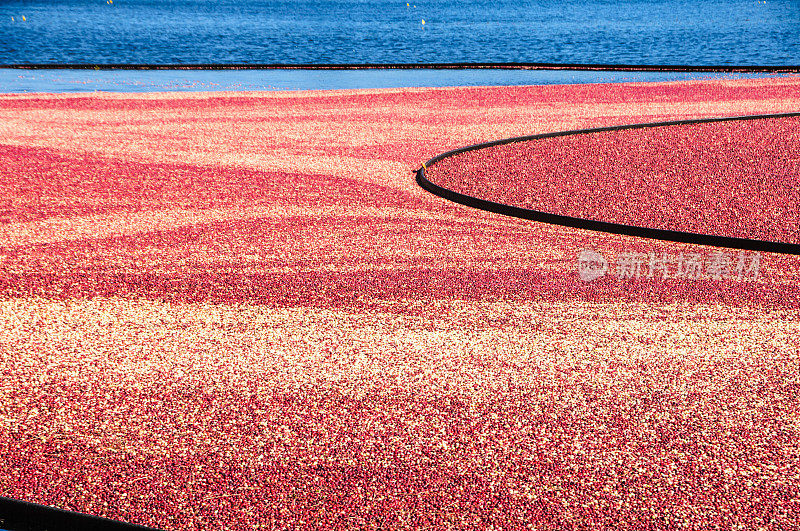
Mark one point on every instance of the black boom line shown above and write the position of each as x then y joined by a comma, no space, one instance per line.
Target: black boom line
769,69
604,226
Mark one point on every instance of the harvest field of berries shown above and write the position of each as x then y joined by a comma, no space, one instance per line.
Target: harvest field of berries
239,310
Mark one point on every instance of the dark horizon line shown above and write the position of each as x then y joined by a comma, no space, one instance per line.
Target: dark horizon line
778,69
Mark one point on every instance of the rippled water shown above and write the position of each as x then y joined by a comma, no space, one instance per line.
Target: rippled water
703,32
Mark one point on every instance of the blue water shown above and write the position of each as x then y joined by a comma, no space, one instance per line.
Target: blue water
12,80
697,32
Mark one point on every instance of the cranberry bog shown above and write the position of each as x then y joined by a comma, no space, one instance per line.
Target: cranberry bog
240,311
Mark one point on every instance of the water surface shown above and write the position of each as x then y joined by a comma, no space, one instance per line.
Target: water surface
697,32
13,80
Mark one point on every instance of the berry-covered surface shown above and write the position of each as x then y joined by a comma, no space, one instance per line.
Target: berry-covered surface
239,311
739,179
